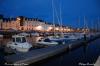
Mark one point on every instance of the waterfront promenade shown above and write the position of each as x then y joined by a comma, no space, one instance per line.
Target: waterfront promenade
97,62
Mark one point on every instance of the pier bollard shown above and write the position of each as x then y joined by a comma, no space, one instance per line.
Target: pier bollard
85,38
2,53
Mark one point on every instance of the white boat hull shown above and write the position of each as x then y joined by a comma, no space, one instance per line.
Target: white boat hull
22,49
48,43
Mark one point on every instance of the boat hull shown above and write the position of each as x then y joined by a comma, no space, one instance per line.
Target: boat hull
22,49
48,43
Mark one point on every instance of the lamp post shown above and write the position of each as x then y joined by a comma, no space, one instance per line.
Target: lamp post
1,20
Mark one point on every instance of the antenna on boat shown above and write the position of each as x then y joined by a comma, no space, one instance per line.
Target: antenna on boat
91,25
85,24
98,24
79,22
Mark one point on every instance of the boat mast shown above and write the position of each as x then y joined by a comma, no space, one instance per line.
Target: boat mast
98,24
61,19
53,17
79,22
85,25
91,25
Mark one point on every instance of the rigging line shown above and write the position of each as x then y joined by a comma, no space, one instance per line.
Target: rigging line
58,19
84,24
98,23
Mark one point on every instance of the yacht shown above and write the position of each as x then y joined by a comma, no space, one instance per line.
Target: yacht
74,37
47,41
57,38
19,43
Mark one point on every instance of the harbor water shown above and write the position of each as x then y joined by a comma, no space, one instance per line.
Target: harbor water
84,55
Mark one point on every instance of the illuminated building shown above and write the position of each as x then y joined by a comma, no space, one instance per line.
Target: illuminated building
26,24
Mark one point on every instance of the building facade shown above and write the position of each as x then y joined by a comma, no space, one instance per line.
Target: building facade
27,24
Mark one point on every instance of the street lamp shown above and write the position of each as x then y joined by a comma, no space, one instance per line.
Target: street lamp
49,28
39,27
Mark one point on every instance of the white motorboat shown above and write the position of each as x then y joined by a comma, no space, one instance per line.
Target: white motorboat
56,38
73,37
19,43
47,41
79,35
59,39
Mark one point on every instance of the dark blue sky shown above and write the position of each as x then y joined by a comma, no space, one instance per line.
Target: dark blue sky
72,10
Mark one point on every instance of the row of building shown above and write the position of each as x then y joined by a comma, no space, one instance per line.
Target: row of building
26,24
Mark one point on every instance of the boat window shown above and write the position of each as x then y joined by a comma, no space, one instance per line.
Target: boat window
66,36
23,39
13,39
18,40
47,40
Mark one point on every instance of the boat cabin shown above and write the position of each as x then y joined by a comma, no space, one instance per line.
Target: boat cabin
19,39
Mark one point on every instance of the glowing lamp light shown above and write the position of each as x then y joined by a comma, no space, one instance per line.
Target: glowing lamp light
39,28
78,28
65,29
68,29
83,29
56,28
18,19
61,28
49,28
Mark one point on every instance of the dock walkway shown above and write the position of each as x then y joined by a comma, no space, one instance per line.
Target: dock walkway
97,62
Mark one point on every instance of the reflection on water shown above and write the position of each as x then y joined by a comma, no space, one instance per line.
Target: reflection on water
86,54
